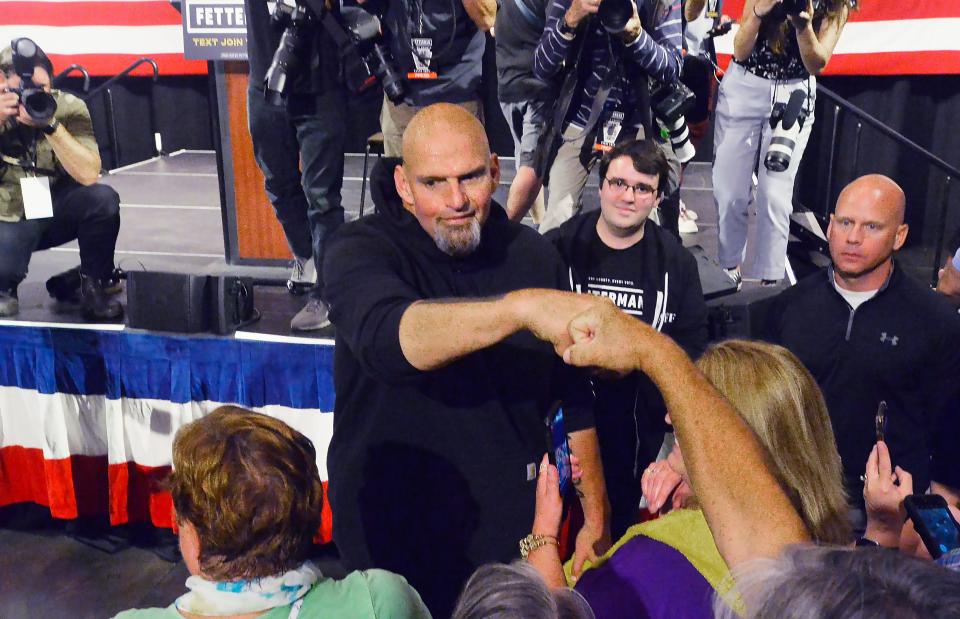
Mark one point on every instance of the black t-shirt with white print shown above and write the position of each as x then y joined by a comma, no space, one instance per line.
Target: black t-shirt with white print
655,280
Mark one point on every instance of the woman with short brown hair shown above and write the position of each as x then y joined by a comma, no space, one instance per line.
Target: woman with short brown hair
247,496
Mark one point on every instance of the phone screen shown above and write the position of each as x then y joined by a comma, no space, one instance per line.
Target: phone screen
942,530
933,522
560,450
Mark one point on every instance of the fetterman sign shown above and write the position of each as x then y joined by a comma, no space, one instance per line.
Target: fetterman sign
214,30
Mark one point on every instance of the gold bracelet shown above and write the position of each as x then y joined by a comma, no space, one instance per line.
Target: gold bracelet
532,542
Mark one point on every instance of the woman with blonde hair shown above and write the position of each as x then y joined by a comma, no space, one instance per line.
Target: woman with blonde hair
640,576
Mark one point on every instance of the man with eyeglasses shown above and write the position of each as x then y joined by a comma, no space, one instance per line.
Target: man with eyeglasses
617,253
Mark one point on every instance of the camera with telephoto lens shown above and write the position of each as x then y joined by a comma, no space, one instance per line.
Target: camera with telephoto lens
670,102
786,120
614,15
365,57
39,104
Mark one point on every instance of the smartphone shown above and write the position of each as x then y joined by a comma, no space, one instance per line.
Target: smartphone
934,523
558,448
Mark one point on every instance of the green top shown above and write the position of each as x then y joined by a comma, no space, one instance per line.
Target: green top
371,594
18,142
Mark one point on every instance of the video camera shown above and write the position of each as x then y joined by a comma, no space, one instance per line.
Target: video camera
39,104
357,33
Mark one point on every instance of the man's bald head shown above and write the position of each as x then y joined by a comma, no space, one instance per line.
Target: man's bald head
438,123
448,176
879,191
865,230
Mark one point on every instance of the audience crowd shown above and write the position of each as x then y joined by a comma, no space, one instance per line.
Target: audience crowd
776,473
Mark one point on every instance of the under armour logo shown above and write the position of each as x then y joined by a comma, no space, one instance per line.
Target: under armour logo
884,338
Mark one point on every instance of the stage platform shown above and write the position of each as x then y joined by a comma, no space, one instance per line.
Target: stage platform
171,221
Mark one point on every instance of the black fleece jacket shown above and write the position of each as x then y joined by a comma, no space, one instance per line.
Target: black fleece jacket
433,473
902,346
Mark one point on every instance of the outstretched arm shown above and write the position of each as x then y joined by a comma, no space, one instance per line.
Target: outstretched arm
435,333
749,514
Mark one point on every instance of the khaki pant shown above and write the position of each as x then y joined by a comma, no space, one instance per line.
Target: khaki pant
395,118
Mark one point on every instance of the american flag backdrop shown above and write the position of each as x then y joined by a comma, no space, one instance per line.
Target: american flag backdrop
887,37
105,37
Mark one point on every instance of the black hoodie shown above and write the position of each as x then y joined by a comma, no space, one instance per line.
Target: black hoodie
657,281
433,473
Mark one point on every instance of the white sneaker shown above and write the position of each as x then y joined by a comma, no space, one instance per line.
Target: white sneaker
9,305
303,275
684,211
685,225
734,274
314,315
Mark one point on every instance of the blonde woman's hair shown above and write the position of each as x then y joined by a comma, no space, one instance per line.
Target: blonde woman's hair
780,401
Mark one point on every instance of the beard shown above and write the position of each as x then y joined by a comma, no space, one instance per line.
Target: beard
457,241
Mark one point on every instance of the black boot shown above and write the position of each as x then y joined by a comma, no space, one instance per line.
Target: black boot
65,287
95,302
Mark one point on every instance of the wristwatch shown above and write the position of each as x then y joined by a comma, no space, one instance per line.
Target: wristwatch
566,30
51,128
532,542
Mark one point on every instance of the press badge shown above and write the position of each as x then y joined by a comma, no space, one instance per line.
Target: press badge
37,202
607,136
422,52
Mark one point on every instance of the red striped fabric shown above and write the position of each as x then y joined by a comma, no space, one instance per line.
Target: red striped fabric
111,64
887,37
104,37
67,14
88,486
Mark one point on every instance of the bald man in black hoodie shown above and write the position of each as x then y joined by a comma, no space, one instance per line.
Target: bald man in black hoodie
445,369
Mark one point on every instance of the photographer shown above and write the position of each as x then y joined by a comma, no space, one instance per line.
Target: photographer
52,162
299,147
438,45
605,93
780,46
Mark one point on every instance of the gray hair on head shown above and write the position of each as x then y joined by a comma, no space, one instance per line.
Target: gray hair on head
810,582
516,591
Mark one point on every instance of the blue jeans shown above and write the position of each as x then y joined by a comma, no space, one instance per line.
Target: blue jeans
299,148
90,214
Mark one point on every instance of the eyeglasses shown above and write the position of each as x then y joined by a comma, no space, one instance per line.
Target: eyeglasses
619,186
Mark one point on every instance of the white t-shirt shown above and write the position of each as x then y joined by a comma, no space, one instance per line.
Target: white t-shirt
853,298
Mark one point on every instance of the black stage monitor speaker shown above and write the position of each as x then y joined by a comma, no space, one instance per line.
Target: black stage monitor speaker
186,303
736,316
230,303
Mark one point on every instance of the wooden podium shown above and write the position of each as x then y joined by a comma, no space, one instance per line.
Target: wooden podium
251,232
